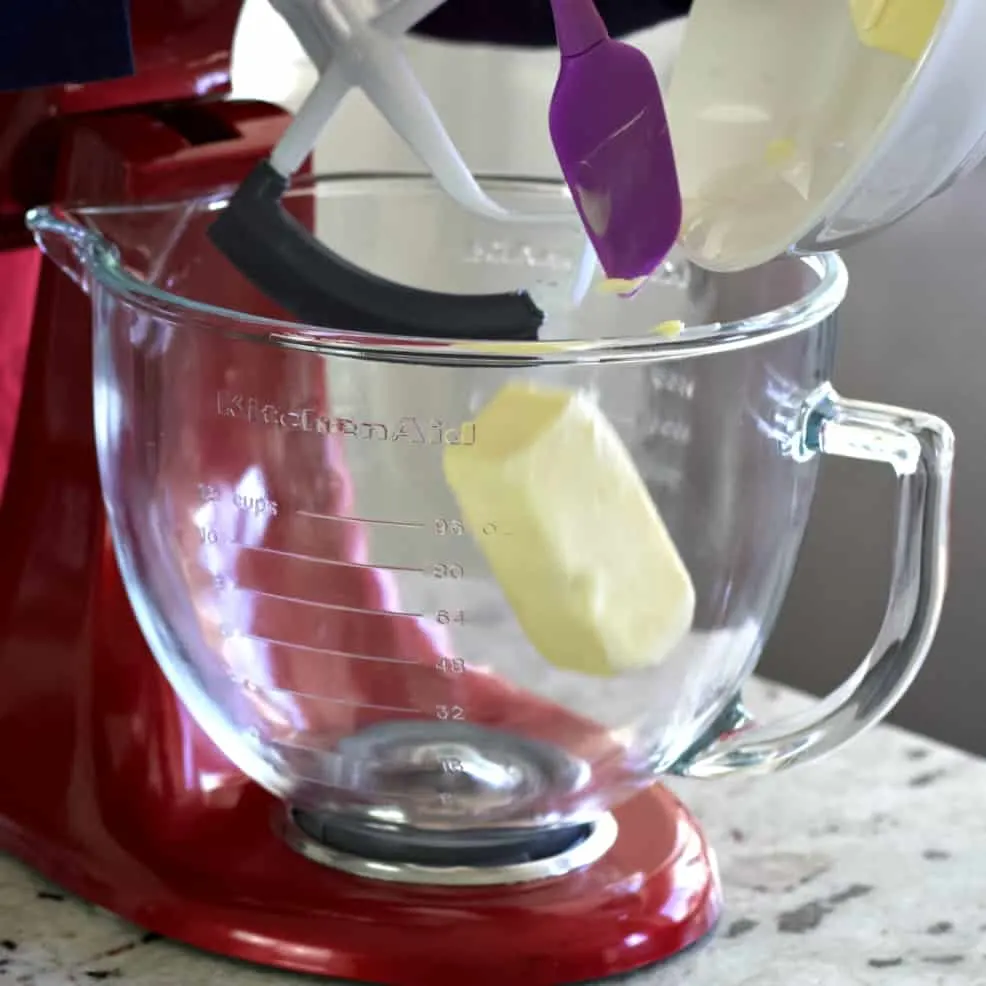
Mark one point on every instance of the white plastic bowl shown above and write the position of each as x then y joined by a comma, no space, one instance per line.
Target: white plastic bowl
791,133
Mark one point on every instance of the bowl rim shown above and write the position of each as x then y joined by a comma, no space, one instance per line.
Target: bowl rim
102,266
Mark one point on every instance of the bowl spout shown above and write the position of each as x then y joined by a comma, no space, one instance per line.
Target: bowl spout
62,239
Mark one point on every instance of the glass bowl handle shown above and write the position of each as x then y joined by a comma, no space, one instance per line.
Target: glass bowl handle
919,448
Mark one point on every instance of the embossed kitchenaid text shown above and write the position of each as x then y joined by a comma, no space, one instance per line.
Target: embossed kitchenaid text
410,429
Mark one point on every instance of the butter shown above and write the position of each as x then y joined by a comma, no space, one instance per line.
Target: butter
669,329
792,165
514,347
901,27
620,285
578,548
780,151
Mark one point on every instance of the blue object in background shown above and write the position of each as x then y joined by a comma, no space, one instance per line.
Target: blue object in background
53,42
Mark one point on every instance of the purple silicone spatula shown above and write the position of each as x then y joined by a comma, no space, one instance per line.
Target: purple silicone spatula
611,137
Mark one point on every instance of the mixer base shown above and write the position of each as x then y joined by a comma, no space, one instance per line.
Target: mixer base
110,789
249,896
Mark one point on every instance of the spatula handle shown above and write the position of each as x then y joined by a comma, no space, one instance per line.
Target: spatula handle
578,26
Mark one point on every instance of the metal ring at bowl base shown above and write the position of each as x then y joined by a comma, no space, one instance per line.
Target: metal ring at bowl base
600,839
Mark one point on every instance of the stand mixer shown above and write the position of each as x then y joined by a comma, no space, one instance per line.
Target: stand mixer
272,700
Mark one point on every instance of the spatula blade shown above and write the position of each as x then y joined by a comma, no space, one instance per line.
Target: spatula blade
611,137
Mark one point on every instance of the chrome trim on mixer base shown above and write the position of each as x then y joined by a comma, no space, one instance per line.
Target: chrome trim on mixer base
585,852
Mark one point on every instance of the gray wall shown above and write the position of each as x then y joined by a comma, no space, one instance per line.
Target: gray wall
913,332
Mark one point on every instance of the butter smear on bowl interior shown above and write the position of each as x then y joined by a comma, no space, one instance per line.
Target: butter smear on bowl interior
580,551
669,329
621,285
900,27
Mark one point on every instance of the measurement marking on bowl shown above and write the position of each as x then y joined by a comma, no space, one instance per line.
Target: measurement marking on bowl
349,703
234,634
441,526
332,606
361,520
298,556
437,570
223,583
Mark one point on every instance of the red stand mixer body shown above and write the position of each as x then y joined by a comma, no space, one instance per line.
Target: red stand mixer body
107,785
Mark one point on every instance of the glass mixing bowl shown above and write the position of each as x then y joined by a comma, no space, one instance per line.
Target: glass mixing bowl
305,578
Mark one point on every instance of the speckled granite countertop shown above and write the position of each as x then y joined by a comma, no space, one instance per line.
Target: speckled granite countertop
866,869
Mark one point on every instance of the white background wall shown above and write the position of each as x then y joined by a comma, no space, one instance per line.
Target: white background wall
493,101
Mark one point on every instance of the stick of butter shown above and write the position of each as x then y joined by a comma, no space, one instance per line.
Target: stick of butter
901,27
578,547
